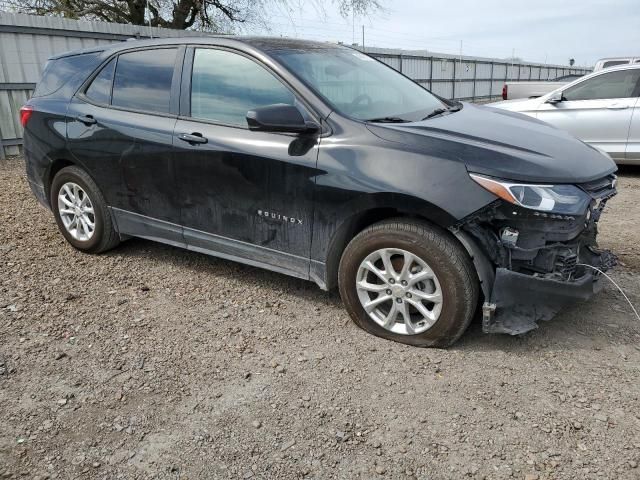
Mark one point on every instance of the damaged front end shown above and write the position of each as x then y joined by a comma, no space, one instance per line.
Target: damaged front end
533,262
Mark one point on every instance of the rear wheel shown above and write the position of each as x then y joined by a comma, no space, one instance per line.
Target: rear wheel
81,211
409,282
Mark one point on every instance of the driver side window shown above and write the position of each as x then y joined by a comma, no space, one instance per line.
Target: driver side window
226,85
620,84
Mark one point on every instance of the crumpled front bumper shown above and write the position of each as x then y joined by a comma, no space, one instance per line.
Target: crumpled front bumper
532,264
519,301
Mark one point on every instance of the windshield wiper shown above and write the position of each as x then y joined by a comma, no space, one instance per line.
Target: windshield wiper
439,111
387,120
436,112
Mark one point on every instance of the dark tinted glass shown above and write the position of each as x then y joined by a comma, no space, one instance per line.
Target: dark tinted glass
613,63
225,86
620,84
100,89
143,80
67,72
358,85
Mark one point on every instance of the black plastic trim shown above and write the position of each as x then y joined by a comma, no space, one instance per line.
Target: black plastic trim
136,225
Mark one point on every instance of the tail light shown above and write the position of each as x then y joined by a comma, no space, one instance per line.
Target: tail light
505,91
25,114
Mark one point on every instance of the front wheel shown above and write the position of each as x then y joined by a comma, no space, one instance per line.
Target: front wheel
410,282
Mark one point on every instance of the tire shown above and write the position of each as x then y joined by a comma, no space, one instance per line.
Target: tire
456,284
104,236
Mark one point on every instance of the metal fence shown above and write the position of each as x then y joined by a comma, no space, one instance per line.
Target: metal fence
464,77
26,41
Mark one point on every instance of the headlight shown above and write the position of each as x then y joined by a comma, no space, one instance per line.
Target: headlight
563,199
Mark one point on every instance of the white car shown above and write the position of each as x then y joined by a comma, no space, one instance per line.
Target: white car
534,89
601,109
614,62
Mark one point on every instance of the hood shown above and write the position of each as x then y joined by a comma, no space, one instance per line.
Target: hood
502,144
517,105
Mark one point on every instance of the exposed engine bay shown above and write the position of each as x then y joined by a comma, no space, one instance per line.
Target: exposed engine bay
533,263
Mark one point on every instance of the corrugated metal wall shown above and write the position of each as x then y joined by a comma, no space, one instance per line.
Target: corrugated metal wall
26,41
466,78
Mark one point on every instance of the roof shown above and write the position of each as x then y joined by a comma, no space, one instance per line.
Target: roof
628,66
260,43
608,59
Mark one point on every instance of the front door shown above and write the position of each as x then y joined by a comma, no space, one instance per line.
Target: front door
598,110
245,195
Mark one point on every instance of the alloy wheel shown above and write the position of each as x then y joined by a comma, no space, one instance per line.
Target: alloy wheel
399,291
76,211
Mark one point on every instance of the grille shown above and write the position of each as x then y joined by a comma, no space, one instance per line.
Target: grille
603,187
566,264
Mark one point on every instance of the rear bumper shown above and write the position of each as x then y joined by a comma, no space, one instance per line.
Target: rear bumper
39,192
519,301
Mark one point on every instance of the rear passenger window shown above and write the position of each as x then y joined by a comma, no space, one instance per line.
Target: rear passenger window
100,89
143,80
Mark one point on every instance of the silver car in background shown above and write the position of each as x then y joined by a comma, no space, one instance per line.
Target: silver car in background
601,109
614,62
535,89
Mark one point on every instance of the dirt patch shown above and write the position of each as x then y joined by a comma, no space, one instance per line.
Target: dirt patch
153,362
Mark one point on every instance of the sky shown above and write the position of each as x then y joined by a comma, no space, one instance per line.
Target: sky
536,30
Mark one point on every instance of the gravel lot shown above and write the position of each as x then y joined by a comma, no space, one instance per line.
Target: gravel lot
153,362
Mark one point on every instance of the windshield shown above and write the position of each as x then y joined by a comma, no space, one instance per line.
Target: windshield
359,86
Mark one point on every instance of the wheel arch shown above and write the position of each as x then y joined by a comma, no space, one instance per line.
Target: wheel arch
54,167
374,209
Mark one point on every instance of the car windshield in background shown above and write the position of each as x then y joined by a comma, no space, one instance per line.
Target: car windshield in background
359,86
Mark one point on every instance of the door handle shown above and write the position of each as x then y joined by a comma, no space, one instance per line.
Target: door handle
617,106
86,119
192,138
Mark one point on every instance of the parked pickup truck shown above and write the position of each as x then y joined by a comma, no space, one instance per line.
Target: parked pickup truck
614,62
535,89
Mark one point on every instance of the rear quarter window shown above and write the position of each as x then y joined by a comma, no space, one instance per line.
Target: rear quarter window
100,89
62,76
613,63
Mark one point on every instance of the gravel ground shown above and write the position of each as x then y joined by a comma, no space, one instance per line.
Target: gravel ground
153,362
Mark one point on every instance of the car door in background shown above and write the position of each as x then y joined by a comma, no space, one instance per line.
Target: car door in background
121,128
598,110
245,194
633,144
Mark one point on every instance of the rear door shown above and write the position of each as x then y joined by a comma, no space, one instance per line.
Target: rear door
245,195
121,128
598,110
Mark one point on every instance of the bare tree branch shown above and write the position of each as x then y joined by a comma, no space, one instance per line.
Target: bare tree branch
177,14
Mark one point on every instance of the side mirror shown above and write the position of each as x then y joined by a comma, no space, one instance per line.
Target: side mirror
555,98
279,118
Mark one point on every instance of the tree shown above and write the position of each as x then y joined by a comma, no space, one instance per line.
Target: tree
212,15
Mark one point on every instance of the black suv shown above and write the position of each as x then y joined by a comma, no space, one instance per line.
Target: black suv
320,162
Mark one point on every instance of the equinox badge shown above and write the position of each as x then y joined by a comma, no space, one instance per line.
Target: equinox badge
277,216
